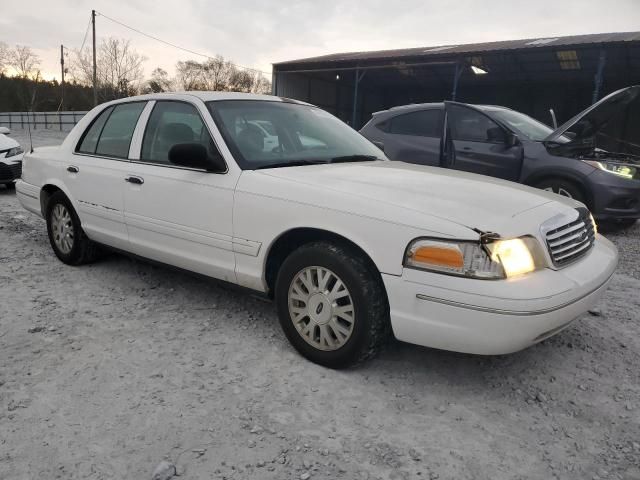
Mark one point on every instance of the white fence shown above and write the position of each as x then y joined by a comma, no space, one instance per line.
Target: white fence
63,121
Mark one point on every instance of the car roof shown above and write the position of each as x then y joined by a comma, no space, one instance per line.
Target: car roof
206,96
424,106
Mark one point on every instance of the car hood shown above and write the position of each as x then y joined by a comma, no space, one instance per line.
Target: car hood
474,201
608,124
7,142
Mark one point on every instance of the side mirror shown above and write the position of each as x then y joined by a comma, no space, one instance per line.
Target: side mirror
195,155
378,144
511,140
5,131
496,135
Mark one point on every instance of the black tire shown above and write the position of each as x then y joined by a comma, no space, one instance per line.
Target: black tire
563,187
371,326
83,250
10,185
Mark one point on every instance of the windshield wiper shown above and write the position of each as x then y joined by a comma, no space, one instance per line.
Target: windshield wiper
299,163
291,163
354,158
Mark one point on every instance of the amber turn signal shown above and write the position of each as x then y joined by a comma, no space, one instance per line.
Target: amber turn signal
441,256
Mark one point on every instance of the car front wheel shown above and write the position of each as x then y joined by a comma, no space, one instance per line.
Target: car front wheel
69,242
562,187
332,304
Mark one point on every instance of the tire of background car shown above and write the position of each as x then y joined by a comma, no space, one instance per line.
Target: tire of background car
562,187
69,242
332,304
11,185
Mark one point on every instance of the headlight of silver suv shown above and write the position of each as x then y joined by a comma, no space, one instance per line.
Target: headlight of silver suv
13,152
620,169
501,258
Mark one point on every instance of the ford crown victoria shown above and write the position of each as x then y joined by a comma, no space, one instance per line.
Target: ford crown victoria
351,246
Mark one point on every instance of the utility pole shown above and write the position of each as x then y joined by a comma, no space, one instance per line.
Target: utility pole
62,77
95,82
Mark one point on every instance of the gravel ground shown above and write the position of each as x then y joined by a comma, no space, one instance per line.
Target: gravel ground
110,368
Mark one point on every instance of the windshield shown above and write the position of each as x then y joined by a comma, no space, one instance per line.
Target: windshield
264,134
523,124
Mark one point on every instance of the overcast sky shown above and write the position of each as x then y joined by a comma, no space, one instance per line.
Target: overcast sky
258,33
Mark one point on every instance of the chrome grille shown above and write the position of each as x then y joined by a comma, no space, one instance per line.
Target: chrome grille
572,240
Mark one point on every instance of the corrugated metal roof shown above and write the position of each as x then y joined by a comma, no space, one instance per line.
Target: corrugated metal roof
472,48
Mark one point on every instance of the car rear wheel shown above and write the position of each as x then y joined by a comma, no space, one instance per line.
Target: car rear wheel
69,242
332,305
562,187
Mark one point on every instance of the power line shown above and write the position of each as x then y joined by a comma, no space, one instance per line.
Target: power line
84,39
86,32
176,46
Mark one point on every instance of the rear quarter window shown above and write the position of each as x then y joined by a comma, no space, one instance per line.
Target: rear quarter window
422,123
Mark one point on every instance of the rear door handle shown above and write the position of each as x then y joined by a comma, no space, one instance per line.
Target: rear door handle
136,180
73,169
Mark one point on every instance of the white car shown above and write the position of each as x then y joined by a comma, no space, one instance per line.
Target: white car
11,154
351,246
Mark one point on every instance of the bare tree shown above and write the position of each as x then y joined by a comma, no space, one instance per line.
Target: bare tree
4,57
249,81
24,61
218,74
159,82
119,69
189,76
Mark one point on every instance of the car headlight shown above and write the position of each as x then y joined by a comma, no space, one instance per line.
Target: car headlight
494,260
620,169
593,223
13,152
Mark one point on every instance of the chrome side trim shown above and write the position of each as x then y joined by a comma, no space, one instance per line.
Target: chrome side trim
518,313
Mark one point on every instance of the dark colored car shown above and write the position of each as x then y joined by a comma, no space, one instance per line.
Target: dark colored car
593,158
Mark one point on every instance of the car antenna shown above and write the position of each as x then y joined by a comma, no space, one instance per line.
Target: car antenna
29,128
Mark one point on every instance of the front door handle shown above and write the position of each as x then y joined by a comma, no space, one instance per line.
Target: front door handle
73,169
133,179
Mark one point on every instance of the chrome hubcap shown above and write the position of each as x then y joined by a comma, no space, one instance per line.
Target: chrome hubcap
321,308
559,191
62,228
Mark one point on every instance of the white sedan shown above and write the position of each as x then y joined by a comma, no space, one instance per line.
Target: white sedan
351,246
11,154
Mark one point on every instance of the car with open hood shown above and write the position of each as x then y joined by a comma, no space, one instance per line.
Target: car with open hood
11,154
350,246
593,158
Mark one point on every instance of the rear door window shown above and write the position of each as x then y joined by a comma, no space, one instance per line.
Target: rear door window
117,132
423,123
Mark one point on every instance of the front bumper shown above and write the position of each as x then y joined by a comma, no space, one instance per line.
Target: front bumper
496,317
614,197
10,169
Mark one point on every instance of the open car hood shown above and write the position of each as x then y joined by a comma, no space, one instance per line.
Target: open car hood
612,124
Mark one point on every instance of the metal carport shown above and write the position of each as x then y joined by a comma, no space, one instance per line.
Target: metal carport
531,75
